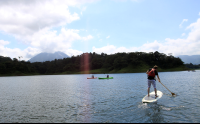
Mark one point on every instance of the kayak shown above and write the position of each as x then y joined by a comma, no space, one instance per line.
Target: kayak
106,78
92,78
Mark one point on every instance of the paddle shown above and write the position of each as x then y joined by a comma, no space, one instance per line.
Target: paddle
166,88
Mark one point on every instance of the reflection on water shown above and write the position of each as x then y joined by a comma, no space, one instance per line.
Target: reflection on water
75,99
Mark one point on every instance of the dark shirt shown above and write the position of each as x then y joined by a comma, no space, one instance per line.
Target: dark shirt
152,78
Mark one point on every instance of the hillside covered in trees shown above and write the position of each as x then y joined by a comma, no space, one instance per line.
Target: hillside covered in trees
93,63
191,66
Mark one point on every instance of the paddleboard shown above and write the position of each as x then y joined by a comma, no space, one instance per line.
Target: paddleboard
152,98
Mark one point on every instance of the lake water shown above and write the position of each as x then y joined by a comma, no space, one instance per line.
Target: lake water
74,99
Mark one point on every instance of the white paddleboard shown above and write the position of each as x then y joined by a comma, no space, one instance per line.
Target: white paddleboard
152,98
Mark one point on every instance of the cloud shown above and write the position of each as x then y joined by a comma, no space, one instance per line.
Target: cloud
26,17
183,34
14,53
50,41
33,22
83,9
2,42
72,52
184,20
180,46
29,53
108,37
194,35
45,41
7,52
89,37
111,49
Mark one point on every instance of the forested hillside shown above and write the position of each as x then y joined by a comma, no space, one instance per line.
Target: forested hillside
90,62
191,66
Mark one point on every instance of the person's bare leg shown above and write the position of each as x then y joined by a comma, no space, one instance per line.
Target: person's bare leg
148,90
155,92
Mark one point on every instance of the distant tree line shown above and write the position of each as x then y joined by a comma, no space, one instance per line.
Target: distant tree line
191,66
89,60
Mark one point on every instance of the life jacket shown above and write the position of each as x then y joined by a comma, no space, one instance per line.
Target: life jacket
152,73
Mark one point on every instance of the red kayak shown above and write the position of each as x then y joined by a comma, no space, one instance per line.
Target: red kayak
92,78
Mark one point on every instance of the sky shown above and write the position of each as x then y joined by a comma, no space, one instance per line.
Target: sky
29,27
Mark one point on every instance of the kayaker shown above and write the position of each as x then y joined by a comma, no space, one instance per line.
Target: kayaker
107,76
152,72
92,76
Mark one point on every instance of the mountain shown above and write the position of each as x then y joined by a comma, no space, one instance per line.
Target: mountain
42,57
194,59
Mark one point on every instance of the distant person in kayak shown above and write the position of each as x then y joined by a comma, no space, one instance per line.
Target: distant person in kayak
92,76
107,76
152,72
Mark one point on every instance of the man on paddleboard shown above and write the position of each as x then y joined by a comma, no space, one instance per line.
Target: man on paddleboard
152,72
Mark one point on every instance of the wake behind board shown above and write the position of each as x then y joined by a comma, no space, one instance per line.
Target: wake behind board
152,98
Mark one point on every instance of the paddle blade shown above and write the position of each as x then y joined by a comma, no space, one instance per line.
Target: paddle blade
173,94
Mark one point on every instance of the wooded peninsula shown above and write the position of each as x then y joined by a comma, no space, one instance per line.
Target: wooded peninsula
93,63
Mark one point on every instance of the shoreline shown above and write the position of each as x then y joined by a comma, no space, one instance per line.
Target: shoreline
90,72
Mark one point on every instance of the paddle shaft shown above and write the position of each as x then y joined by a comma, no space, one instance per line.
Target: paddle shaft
166,87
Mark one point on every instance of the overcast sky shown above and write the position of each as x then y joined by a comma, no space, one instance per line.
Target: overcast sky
29,27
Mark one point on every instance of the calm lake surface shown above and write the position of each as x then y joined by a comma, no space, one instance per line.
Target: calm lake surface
74,99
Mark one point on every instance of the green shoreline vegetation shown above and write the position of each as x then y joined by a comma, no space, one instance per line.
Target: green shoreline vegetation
93,63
